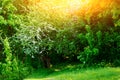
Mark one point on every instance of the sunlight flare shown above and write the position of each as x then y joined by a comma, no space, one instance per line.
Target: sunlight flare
71,7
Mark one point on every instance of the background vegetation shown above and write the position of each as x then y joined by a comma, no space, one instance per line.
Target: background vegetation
34,36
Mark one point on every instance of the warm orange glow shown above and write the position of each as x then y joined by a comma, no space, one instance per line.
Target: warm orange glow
71,7
93,6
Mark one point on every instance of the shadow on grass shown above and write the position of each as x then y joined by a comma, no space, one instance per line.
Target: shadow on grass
75,72
54,71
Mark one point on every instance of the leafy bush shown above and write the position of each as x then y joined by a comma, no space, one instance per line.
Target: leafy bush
10,66
30,42
91,50
101,41
11,69
9,21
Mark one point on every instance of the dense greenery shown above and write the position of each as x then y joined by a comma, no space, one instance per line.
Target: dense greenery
10,66
35,38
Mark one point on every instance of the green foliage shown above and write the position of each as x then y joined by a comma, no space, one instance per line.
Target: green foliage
91,38
9,20
91,50
11,69
30,42
65,44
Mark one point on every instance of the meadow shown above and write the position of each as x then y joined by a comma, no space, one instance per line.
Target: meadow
74,72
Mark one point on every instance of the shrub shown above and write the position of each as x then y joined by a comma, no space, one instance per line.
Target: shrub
11,69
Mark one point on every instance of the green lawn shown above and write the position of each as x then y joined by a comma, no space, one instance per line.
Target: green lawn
74,73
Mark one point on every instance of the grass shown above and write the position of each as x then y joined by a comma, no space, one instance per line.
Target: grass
73,72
